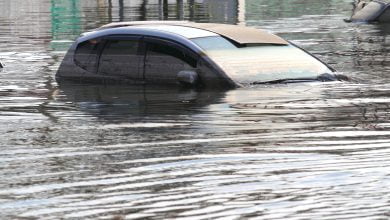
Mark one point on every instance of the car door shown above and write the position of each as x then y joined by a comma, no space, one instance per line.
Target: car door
120,58
165,59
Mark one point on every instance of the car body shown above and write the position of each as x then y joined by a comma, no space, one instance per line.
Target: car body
371,11
187,53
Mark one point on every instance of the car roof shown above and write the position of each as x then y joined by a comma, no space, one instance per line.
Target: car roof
187,32
239,34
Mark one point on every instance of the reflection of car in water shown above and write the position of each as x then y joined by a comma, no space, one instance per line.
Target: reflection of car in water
107,101
195,54
371,11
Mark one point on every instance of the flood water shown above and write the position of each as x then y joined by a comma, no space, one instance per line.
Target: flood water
297,151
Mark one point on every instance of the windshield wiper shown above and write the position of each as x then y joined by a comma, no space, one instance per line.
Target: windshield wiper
279,81
325,77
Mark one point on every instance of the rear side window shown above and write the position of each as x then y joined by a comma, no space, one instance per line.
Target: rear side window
86,55
119,57
121,47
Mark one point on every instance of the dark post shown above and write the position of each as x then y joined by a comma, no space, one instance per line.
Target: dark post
191,4
142,10
165,9
121,6
110,10
160,10
180,9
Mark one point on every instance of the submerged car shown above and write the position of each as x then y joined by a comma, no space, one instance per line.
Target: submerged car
371,11
187,53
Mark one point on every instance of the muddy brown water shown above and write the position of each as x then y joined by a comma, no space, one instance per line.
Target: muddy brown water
297,151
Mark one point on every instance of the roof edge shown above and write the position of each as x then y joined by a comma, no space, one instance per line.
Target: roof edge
240,34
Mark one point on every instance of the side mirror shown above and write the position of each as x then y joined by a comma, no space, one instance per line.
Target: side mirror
1,65
188,77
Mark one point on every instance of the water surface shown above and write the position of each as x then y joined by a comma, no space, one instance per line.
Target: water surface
298,151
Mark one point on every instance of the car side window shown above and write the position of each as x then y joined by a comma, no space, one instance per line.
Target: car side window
120,48
157,49
120,58
165,60
86,54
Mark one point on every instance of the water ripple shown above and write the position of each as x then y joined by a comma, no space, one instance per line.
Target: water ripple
293,151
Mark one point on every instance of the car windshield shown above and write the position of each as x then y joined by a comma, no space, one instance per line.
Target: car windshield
262,63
